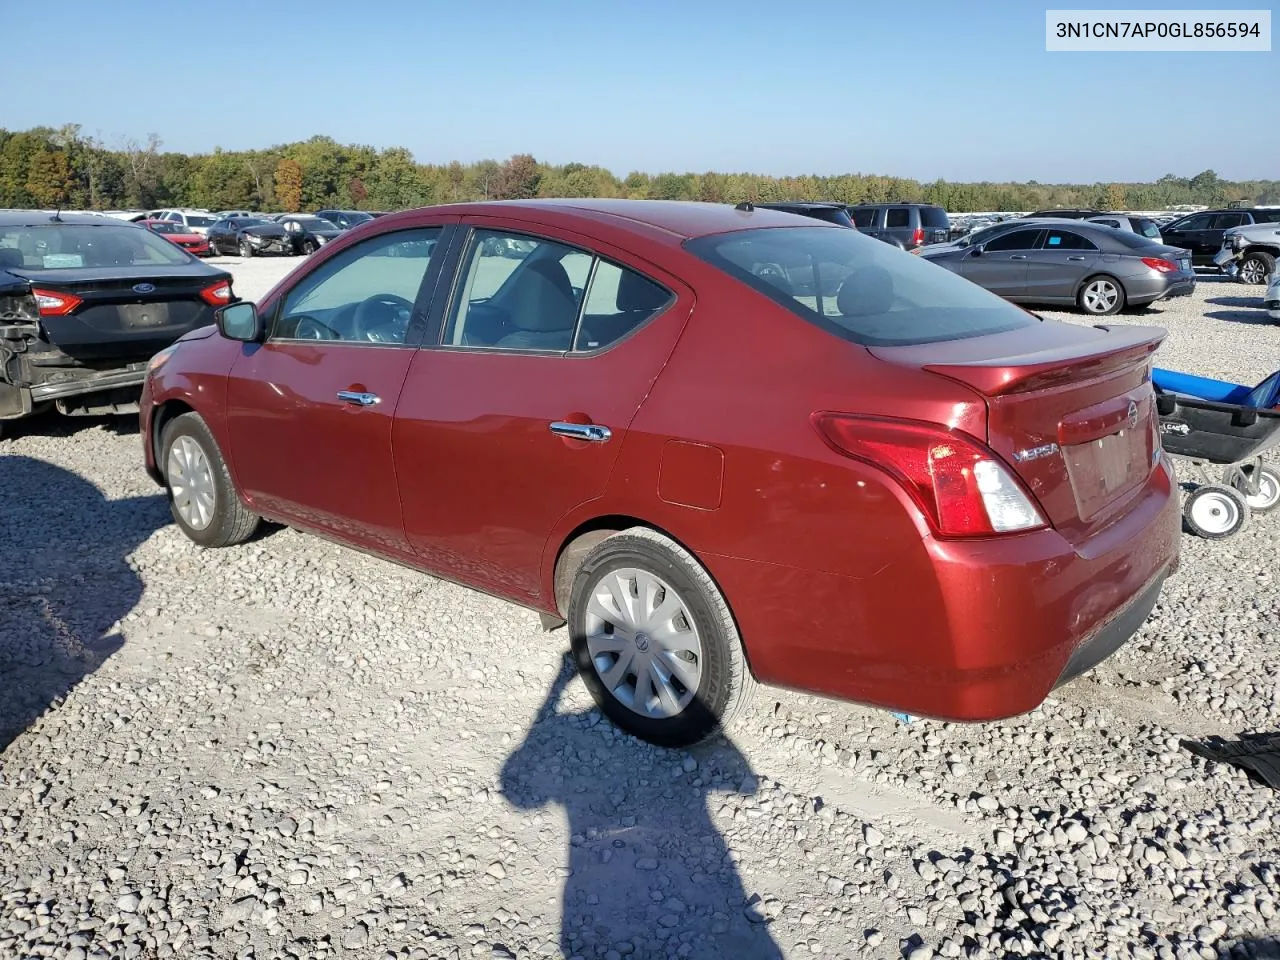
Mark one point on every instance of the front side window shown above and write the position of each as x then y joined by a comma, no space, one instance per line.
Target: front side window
366,294
898,217
858,288
521,293
1067,240
1198,222
1225,221
1013,240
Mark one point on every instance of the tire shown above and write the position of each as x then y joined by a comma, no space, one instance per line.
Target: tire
246,249
1215,512
693,701
1268,496
1256,268
308,248
1101,296
202,498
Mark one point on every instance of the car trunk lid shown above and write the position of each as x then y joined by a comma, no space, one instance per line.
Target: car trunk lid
1069,408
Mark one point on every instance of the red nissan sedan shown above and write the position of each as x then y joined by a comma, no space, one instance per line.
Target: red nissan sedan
722,444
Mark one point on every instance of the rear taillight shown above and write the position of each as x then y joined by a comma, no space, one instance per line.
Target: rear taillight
55,303
917,236
962,487
1158,263
217,295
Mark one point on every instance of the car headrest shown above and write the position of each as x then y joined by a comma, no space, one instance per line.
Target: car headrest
542,298
866,292
11,257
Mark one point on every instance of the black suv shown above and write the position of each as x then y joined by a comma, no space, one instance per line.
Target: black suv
817,209
1201,233
906,225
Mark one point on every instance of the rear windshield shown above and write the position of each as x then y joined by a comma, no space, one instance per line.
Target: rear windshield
1134,241
195,220
864,217
1266,216
935,218
858,288
71,246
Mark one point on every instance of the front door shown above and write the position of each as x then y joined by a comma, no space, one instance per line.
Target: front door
309,412
1056,267
1188,233
517,416
1001,266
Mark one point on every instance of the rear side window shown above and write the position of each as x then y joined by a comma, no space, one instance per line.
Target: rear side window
856,287
898,217
934,218
1266,216
864,217
1067,240
1225,221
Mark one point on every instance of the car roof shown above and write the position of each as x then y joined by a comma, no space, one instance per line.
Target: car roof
672,220
37,218
895,203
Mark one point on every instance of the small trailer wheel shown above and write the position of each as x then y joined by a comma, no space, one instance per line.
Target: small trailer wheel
1215,512
1267,497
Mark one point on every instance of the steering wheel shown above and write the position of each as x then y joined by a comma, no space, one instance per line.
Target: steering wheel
382,318
306,327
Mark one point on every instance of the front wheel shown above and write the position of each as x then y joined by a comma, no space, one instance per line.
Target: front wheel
246,249
1101,296
1256,268
202,498
654,640
1215,511
1268,481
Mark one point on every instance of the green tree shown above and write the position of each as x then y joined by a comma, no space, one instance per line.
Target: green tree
49,178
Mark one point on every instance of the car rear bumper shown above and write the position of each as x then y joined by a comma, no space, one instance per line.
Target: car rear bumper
960,630
1144,289
52,384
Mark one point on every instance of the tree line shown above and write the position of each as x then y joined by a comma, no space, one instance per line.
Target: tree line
64,167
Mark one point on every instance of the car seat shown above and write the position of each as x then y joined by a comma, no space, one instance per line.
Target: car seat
866,292
543,308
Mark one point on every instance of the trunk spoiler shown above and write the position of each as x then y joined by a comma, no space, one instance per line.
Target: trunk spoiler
1121,347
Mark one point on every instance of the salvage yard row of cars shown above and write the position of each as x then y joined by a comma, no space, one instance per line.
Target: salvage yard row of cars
567,406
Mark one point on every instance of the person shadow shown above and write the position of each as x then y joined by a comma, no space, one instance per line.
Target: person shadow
649,875
65,582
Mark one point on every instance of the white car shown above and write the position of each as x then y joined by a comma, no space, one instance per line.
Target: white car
196,221
1271,299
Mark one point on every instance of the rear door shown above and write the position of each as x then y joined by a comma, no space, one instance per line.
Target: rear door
1001,264
516,416
897,226
1059,263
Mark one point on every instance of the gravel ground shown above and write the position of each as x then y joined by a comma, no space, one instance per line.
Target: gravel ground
238,753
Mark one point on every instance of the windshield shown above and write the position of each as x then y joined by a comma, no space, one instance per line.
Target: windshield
195,220
858,288
315,223
166,227
243,222
358,216
70,246
981,236
1134,241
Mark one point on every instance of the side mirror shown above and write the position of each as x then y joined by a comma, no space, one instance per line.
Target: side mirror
976,250
240,321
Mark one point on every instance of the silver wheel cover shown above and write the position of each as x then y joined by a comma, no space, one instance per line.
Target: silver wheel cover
643,643
1215,512
1100,296
191,483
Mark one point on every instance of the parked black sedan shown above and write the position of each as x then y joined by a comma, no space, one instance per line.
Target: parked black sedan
289,234
85,302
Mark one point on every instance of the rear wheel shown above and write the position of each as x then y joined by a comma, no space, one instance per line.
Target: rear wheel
1268,480
1101,296
1256,268
654,640
202,498
308,248
246,249
1215,512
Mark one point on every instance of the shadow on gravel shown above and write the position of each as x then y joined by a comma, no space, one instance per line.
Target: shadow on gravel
1254,301
64,582
1263,949
647,865
52,424
1254,317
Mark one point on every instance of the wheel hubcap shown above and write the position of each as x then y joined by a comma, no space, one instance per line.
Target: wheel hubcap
191,483
1268,493
643,643
1214,513
1100,296
1251,271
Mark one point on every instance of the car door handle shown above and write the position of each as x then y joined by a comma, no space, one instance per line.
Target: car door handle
1075,258
1018,256
582,431
358,399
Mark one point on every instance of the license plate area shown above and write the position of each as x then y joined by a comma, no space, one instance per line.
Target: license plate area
1104,469
144,316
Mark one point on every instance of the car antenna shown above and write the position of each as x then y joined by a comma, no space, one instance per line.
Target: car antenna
57,215
745,206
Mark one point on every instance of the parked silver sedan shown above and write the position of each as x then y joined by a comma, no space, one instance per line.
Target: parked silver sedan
1057,261
1140,225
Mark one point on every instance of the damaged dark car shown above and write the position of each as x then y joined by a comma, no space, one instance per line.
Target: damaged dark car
85,302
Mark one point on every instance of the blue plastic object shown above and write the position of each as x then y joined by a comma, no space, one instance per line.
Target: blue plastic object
1261,397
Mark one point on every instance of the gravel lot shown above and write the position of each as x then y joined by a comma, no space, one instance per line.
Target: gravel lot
290,749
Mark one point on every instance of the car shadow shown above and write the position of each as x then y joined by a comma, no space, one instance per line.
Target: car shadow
648,871
1265,948
64,585
52,424
1256,317
1254,301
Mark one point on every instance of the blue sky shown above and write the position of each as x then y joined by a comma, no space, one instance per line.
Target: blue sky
919,89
